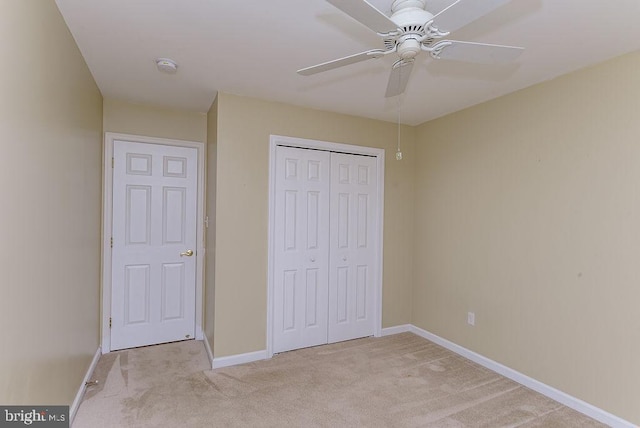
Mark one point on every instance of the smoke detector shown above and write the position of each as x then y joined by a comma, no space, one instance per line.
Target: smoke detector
166,65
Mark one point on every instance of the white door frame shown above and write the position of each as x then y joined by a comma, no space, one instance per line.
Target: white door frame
107,217
278,140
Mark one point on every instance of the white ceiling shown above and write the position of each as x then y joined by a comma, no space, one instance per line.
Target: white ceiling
253,48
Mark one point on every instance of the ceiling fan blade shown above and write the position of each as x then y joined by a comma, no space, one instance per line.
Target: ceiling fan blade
399,78
475,52
341,62
463,12
366,14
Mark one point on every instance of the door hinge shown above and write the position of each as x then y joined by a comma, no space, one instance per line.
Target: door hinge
113,162
111,242
109,322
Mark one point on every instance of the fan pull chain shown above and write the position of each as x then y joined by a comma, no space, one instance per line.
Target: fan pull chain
399,152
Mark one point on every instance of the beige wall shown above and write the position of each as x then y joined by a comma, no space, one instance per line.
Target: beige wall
244,127
50,170
529,215
210,262
128,118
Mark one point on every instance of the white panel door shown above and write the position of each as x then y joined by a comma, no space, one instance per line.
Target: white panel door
352,270
154,243
301,248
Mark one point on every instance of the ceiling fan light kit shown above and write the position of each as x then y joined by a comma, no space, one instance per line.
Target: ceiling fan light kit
411,29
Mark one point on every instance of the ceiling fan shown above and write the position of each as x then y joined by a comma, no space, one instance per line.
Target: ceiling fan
411,29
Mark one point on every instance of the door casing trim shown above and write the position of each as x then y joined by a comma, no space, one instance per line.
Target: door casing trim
278,140
107,217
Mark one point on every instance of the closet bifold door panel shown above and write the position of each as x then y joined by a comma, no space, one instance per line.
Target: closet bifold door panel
301,248
352,253
324,247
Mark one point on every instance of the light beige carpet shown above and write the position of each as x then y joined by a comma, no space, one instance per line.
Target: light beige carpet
394,381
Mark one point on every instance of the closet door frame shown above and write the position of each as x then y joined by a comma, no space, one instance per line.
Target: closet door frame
278,140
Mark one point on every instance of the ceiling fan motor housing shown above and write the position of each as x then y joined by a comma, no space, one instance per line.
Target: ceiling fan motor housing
410,16
404,4
408,48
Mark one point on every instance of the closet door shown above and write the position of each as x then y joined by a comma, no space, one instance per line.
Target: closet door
301,248
352,255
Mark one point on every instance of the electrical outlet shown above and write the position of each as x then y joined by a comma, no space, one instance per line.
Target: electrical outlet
471,318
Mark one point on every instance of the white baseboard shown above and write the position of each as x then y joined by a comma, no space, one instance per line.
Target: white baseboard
207,347
557,395
249,357
87,377
544,389
233,360
396,329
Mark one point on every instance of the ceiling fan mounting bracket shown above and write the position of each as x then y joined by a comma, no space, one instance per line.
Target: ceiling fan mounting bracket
380,53
402,62
432,32
437,49
390,34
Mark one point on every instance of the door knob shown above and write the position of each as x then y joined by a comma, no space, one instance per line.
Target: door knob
313,259
344,259
187,253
